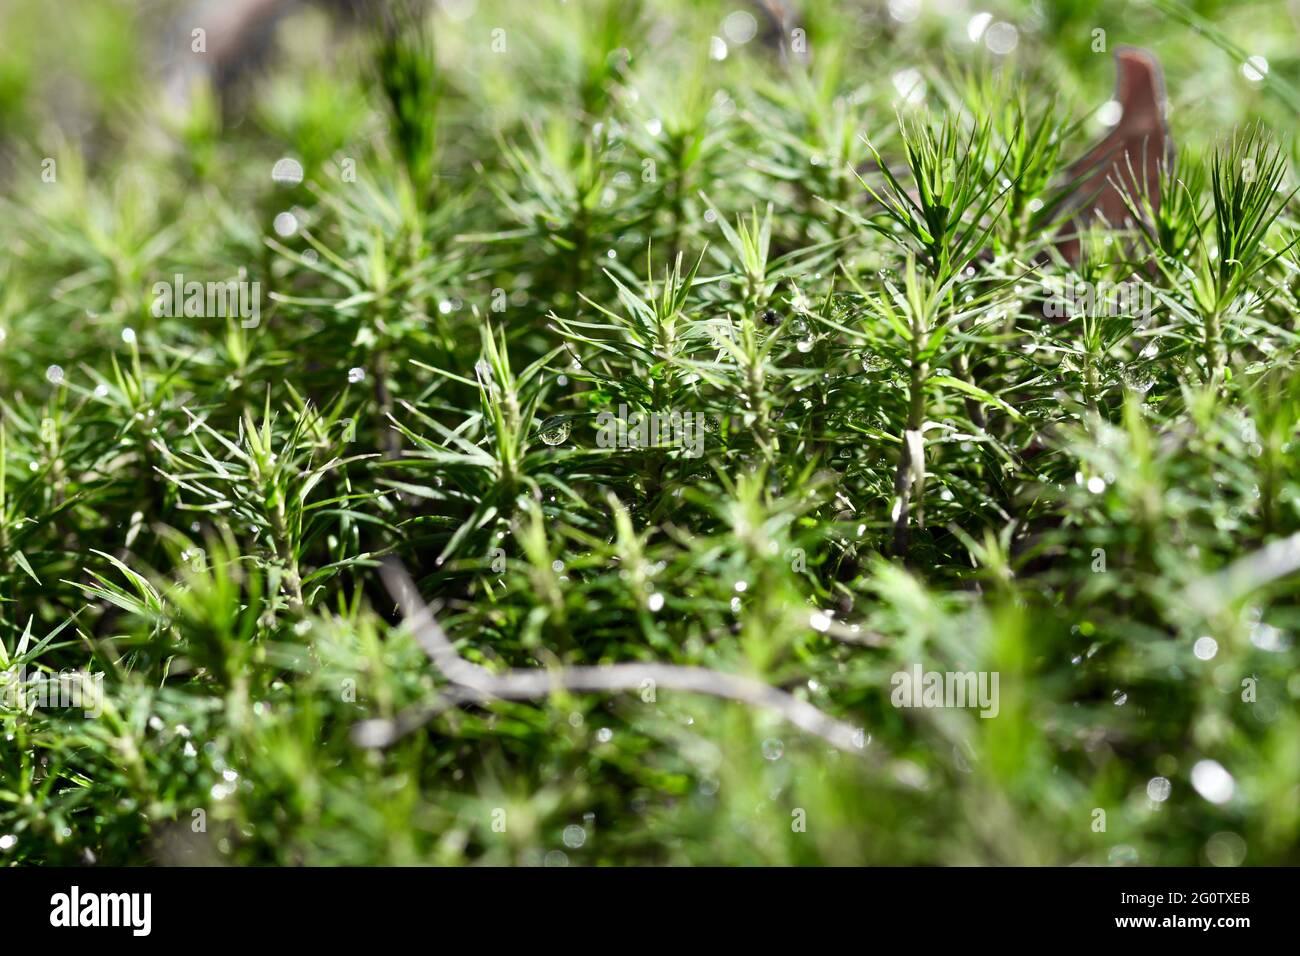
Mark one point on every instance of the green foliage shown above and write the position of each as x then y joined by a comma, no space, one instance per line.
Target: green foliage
884,455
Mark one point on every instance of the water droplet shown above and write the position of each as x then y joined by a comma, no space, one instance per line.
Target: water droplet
285,224
819,621
1139,379
871,362
574,836
655,601
740,27
128,335
717,48
1158,789
54,375
356,375
1268,638
457,10
977,25
1119,697
1225,849
910,85
1001,38
904,11
220,791
555,430
1213,782
287,171
8,841
1122,855
604,735
1205,648
773,749
1255,69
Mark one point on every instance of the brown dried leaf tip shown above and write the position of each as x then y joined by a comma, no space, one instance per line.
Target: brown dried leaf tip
1129,157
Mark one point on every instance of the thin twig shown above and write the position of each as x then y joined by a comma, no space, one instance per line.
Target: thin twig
475,684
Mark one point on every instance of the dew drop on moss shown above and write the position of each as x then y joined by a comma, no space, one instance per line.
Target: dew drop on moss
554,430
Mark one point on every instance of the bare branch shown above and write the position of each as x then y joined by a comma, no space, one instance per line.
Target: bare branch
475,684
